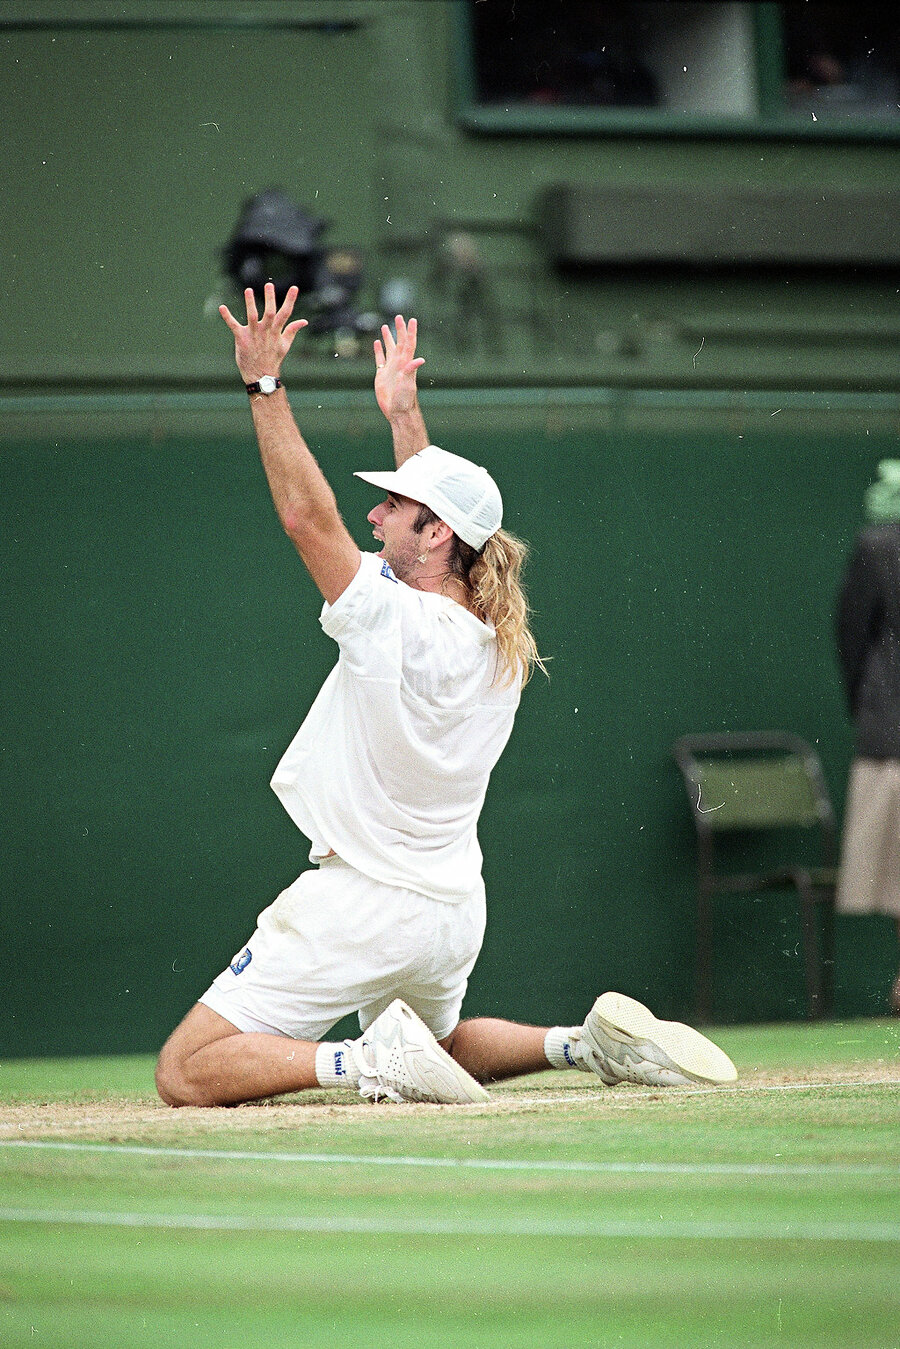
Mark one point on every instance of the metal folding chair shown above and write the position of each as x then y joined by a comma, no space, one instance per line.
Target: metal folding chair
769,783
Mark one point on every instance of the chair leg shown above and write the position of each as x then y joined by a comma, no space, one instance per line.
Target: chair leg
827,904
811,958
704,959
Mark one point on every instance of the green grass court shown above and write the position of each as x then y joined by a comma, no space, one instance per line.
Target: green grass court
561,1214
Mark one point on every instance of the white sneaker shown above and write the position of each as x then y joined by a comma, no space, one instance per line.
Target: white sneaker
621,1041
399,1058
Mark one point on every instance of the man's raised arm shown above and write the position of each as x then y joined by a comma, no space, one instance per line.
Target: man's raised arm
303,499
396,367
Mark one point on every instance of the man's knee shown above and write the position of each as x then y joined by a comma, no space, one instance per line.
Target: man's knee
180,1079
179,1083
171,1080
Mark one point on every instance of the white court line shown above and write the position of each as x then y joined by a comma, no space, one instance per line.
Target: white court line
787,1169
467,1227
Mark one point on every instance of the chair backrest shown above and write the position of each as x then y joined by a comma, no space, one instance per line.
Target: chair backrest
762,781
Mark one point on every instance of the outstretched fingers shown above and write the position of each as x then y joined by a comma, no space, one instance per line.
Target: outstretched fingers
388,339
406,336
230,319
269,300
400,348
287,305
262,343
250,306
284,313
271,317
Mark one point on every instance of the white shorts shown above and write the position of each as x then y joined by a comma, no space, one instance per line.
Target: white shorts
336,942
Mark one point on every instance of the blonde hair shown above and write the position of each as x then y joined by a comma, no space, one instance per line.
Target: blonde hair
492,578
498,596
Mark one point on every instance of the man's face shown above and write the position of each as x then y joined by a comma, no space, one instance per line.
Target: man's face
392,523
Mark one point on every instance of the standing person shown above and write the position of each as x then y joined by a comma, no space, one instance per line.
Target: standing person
386,777
868,639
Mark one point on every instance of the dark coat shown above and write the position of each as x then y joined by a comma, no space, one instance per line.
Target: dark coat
868,639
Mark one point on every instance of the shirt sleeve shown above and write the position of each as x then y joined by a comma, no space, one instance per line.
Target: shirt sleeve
365,620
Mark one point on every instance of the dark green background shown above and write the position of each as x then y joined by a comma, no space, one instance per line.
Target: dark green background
162,646
686,450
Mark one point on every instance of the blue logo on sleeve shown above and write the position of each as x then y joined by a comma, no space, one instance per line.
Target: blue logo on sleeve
386,571
240,962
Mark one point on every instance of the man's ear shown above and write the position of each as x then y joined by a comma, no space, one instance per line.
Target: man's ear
441,533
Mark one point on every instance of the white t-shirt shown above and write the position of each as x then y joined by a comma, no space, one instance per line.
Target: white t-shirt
391,765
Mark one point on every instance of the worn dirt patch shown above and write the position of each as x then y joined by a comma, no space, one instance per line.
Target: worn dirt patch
155,1122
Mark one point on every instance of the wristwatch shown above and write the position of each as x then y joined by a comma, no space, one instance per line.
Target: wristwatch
265,384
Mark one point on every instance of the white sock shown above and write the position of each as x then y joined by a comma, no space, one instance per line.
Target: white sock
562,1048
336,1064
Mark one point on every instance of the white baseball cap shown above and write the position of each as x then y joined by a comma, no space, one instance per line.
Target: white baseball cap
461,493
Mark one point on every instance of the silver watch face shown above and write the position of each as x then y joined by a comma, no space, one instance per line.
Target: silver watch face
267,383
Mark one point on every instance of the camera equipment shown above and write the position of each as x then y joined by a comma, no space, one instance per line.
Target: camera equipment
276,240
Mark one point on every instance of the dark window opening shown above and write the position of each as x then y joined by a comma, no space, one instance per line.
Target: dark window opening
753,64
569,52
842,60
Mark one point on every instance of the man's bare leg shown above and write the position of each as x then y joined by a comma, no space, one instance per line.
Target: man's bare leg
207,1061
620,1040
492,1050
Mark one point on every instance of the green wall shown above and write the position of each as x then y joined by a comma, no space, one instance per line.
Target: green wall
162,646
663,439
141,126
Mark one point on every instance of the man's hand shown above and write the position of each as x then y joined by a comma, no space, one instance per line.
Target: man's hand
396,368
261,345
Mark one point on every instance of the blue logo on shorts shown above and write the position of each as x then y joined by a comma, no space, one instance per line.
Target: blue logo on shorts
241,961
386,571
